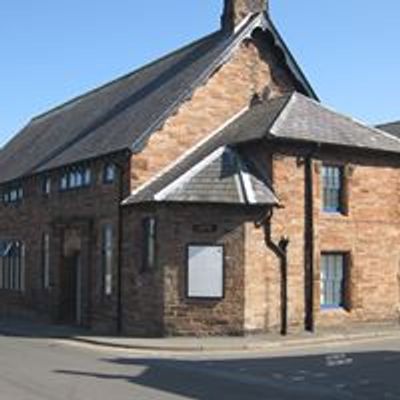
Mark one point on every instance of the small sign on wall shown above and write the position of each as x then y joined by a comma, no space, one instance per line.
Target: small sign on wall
205,228
205,272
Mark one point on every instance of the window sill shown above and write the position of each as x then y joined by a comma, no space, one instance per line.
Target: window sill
75,189
13,204
16,292
333,215
203,300
333,310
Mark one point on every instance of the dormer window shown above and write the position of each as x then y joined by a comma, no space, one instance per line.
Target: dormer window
46,185
13,194
64,182
76,178
87,177
109,173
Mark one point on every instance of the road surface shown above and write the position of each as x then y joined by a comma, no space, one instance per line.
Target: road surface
41,369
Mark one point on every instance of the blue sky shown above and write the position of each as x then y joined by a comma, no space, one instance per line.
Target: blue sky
54,50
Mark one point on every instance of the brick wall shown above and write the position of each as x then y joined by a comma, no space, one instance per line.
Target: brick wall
263,276
142,291
156,301
261,280
369,232
82,211
253,69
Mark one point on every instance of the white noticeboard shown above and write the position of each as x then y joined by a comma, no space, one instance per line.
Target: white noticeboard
205,272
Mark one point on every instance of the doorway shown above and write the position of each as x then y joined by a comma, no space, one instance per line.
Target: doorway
70,293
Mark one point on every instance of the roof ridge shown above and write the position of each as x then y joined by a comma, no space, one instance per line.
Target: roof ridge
245,183
387,134
284,106
388,124
124,76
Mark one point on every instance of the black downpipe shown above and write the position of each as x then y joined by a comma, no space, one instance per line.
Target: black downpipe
283,245
120,233
309,244
121,166
280,250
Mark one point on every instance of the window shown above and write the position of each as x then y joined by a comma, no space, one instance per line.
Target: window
64,182
12,265
109,173
46,260
205,272
107,258
332,177
333,272
13,195
46,185
149,243
75,178
87,177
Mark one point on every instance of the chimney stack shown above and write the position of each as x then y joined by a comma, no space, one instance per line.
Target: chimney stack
236,10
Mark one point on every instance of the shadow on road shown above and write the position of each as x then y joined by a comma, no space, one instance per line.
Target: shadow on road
372,376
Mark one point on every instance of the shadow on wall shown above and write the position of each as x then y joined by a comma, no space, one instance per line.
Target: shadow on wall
369,376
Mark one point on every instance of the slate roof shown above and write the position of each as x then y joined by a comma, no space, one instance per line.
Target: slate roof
223,177
107,119
393,128
307,120
292,117
297,117
122,114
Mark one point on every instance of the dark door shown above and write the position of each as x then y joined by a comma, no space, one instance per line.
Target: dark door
69,279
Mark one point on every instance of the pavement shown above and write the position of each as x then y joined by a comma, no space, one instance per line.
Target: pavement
33,329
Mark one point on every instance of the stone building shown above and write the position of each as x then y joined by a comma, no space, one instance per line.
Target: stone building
207,193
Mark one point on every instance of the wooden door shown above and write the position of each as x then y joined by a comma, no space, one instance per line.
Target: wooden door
69,289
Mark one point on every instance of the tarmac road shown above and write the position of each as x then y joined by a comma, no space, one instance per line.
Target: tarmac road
33,369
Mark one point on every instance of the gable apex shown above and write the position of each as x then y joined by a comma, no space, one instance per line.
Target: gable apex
235,11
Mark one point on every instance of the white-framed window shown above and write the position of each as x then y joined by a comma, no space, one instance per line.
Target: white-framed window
107,252
205,271
64,182
13,194
77,177
12,265
109,173
333,280
72,178
46,260
87,177
333,188
149,256
46,185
